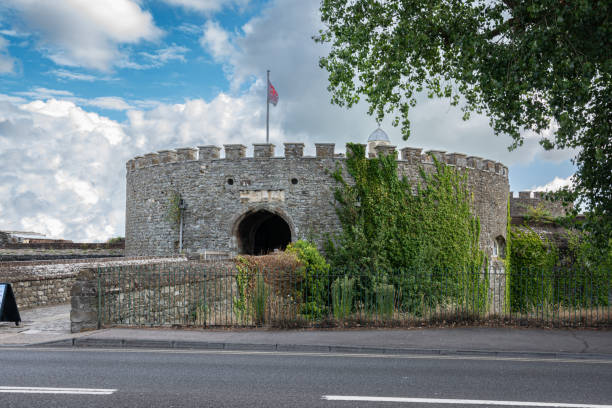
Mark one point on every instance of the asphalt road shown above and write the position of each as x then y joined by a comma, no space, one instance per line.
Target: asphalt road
149,378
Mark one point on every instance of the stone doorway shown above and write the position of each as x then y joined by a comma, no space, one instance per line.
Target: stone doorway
261,232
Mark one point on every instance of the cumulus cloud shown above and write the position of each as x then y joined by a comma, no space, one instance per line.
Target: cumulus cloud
225,119
215,40
86,33
62,169
556,184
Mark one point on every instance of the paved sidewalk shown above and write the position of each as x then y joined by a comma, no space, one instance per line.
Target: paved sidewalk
48,323
50,326
43,324
435,341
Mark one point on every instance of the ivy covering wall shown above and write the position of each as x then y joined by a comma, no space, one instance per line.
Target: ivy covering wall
421,238
542,276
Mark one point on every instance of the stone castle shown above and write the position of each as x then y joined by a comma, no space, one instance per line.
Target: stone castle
253,205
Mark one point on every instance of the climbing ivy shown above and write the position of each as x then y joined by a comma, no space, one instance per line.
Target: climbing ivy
173,213
543,276
423,239
531,276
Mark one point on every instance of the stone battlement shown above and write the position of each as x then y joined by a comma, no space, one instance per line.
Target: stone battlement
520,205
294,151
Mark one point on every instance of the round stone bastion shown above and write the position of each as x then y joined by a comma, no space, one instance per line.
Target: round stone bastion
253,205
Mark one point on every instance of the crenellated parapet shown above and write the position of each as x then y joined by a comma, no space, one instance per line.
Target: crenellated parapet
526,201
293,151
229,196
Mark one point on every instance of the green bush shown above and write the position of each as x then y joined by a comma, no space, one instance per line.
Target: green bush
532,262
539,276
585,276
342,290
314,273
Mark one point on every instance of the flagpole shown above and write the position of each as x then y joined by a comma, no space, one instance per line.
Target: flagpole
268,108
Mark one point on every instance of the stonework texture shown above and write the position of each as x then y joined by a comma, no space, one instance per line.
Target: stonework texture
219,193
42,291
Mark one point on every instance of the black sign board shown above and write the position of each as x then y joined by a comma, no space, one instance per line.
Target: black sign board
8,305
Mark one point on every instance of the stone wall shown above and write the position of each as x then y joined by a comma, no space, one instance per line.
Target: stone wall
42,291
519,206
65,245
220,192
155,297
45,283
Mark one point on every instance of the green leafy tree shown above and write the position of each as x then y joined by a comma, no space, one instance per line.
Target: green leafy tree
527,65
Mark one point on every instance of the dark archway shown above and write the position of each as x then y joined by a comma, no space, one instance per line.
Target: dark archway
262,232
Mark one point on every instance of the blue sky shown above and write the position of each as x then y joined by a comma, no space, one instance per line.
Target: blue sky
85,86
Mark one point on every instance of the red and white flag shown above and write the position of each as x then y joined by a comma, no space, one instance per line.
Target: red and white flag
272,94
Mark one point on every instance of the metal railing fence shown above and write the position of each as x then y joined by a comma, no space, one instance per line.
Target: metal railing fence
208,296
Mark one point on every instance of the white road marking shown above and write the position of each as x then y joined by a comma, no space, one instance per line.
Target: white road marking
460,401
54,390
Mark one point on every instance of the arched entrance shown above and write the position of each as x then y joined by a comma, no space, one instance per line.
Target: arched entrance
261,232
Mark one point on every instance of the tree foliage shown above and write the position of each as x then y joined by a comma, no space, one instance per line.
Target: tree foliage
528,65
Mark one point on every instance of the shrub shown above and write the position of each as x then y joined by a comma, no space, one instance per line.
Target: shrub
532,260
586,274
314,274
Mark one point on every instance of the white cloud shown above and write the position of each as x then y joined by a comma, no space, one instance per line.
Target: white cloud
163,55
86,33
14,33
556,184
216,41
206,6
62,169
49,226
190,29
78,76
11,98
109,102
225,119
44,93
7,63
155,59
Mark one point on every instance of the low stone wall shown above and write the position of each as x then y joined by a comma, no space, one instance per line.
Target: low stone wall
153,297
65,245
43,291
46,283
